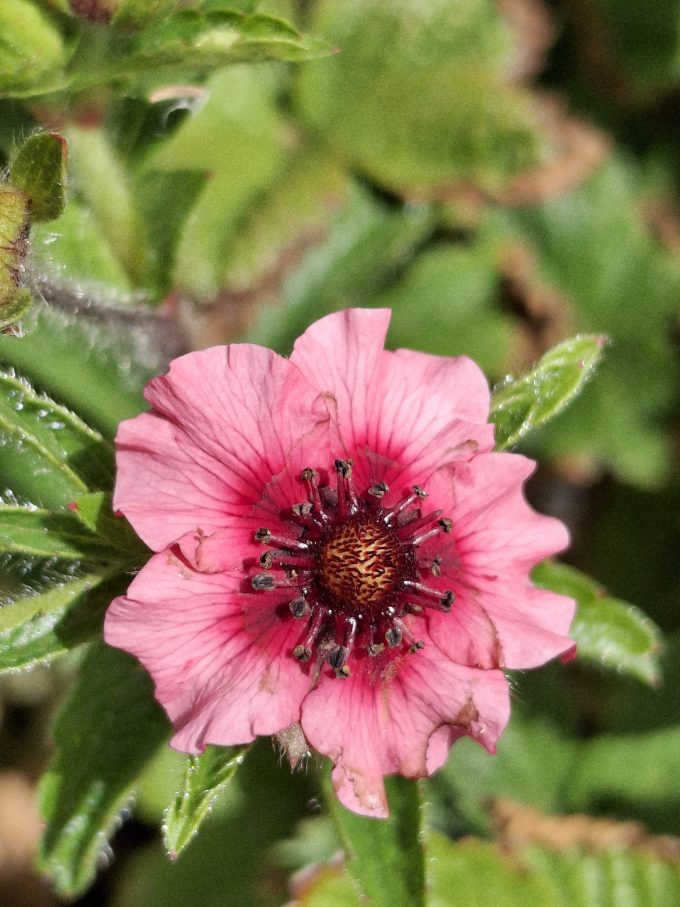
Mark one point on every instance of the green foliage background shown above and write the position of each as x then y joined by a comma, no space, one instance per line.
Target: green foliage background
504,176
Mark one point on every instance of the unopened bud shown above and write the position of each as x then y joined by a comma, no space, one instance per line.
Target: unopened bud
39,170
95,10
124,13
13,246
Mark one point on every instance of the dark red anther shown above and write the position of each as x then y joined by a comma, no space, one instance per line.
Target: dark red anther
418,495
435,598
268,538
311,479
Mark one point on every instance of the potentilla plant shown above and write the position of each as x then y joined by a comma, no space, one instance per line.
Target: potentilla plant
330,555
341,557
338,547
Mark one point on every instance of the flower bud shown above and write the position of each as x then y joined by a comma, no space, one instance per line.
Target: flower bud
13,245
126,13
39,171
95,10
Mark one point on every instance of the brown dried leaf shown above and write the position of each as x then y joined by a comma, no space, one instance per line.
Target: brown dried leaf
597,55
517,826
234,311
547,315
578,150
663,219
20,829
534,30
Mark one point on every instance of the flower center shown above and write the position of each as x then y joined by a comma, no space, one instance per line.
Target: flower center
361,564
354,570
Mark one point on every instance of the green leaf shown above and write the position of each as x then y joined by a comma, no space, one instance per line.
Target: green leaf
240,113
295,214
627,706
14,309
642,46
43,625
478,873
14,228
165,200
419,96
609,878
44,533
629,775
314,841
206,777
54,451
367,242
385,857
138,13
520,405
39,171
444,304
107,731
215,37
31,49
532,765
594,251
607,631
329,886
94,510
75,244
230,863
119,350
106,187
474,873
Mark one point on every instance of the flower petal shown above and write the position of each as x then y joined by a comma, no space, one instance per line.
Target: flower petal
417,395
371,726
166,485
495,531
220,659
228,420
339,355
406,408
519,627
499,618
231,549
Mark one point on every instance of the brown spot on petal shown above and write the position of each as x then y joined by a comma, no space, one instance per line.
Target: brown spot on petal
389,672
470,447
467,715
269,682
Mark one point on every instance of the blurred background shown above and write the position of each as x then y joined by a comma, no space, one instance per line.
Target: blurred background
503,175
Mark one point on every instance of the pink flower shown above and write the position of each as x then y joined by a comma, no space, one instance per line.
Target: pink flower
338,547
